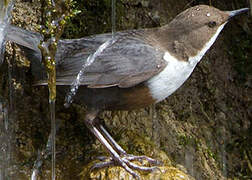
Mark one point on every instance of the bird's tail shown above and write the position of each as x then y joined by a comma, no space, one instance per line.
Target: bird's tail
28,42
23,38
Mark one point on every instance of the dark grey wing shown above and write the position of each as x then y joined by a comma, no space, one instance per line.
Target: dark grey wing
73,53
129,61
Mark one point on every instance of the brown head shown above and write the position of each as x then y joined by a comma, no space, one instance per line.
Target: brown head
189,31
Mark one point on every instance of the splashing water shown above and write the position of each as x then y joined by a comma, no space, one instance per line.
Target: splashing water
75,85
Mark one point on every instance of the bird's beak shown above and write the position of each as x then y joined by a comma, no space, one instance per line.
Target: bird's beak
237,12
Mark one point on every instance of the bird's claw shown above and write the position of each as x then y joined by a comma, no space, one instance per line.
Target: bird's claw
125,162
152,161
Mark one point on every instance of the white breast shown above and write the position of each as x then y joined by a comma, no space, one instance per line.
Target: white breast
176,72
171,78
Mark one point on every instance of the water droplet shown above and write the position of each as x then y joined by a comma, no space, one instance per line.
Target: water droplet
208,14
48,58
198,9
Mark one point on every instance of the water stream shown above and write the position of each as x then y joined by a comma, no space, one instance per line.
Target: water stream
5,16
75,85
5,103
53,136
113,17
4,139
48,149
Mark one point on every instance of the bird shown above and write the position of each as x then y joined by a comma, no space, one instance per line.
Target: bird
141,67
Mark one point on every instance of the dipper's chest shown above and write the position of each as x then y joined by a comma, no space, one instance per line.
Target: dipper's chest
171,78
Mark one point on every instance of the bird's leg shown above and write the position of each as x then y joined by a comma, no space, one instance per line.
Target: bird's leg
119,149
105,133
89,121
112,148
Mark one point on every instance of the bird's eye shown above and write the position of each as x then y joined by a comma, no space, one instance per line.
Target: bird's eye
212,24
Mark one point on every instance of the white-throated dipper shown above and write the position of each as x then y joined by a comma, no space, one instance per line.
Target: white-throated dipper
140,68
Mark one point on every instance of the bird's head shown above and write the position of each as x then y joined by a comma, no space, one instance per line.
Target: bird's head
207,17
198,27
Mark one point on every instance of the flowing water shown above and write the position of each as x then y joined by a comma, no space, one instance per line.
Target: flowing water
49,149
4,139
31,40
5,16
74,88
113,17
53,136
5,104
75,85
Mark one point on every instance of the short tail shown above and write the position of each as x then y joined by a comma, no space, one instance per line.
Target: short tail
24,38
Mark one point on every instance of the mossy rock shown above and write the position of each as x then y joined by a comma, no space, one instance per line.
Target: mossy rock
116,173
137,145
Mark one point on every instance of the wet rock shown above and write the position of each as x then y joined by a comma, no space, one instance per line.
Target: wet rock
140,146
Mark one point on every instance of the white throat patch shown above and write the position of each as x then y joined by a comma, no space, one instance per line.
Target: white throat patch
176,72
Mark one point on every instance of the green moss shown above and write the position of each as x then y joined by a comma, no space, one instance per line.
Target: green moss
185,140
94,18
211,153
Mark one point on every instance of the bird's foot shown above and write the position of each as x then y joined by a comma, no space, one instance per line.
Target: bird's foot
151,161
126,162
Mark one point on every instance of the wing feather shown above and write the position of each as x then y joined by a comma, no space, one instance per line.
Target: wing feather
126,63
